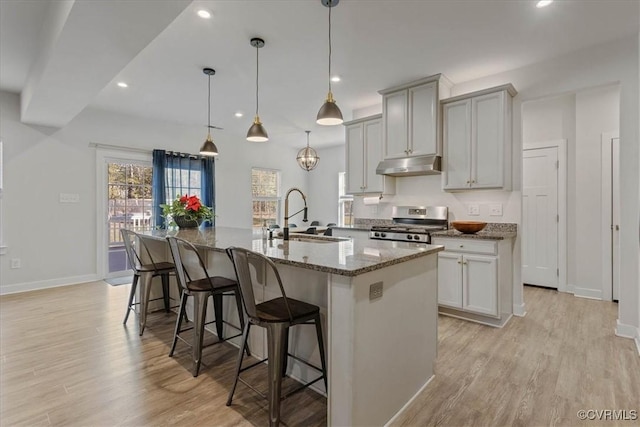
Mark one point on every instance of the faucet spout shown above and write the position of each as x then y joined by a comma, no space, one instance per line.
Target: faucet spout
286,211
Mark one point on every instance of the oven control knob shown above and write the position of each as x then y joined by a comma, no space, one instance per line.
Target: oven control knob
376,234
416,237
409,237
383,234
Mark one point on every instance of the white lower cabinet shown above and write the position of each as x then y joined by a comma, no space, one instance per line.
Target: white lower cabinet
469,282
475,277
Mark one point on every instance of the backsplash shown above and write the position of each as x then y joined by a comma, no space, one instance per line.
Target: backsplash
491,206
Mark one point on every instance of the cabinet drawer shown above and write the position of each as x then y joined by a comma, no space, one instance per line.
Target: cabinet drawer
489,247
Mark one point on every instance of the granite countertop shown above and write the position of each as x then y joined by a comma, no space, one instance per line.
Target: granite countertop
493,231
346,257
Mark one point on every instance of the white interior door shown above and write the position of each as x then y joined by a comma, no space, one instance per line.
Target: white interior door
611,216
540,217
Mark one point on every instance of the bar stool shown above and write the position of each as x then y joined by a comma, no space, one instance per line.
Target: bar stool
276,315
196,282
145,271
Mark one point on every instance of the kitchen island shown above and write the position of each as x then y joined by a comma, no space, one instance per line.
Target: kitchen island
381,345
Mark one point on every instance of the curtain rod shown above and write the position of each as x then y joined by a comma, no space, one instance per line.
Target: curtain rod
118,147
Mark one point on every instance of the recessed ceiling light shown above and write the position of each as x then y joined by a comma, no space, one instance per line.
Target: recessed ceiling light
204,13
123,84
335,79
543,3
239,114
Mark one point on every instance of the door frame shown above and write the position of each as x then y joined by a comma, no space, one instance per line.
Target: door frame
108,154
606,217
561,145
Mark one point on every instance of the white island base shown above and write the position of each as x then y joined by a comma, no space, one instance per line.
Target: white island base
380,349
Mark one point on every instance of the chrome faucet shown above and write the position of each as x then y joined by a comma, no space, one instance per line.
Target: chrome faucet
286,211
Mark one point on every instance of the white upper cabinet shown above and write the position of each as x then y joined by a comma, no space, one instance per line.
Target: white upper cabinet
410,117
477,139
363,153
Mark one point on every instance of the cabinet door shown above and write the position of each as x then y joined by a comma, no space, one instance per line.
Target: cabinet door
480,284
450,279
487,164
394,112
457,145
373,155
354,143
423,102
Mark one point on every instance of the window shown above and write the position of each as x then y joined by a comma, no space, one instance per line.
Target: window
184,177
345,202
265,195
179,174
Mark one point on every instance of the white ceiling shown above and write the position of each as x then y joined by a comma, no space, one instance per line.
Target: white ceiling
376,44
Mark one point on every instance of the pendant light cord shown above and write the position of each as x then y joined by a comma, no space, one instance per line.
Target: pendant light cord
257,73
209,107
308,132
330,7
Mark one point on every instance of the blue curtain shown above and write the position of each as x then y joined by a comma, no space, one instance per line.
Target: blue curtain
157,186
177,174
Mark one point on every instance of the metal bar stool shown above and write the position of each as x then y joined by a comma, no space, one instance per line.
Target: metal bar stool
145,271
276,315
196,282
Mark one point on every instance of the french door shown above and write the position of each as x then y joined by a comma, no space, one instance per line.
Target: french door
129,205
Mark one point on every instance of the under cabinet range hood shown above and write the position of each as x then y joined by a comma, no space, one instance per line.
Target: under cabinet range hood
411,166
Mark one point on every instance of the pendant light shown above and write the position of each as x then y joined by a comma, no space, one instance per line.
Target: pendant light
307,157
257,132
329,113
209,148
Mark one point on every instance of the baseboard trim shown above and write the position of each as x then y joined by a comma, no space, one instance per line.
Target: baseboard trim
626,331
637,340
571,288
588,293
519,310
46,284
406,405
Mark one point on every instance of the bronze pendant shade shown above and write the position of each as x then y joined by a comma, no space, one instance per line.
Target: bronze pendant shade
307,157
209,148
329,114
257,132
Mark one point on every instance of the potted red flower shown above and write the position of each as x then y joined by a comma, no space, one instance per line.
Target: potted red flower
186,211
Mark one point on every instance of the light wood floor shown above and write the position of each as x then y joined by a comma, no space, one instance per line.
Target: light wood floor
66,360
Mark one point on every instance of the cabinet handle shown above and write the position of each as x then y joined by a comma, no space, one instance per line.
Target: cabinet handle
462,246
464,262
459,262
468,182
473,181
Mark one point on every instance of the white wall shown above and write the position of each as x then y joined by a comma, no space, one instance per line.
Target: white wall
322,183
609,63
57,242
597,111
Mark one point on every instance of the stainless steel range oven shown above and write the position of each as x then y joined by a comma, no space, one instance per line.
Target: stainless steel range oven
412,224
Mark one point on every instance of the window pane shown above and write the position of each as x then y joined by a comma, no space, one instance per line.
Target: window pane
264,183
264,211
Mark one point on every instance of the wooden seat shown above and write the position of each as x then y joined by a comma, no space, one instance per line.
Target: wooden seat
145,270
277,316
195,281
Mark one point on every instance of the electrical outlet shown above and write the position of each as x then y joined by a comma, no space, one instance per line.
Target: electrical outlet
473,209
15,263
375,290
495,209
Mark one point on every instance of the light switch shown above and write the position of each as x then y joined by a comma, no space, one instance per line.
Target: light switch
69,198
495,209
473,209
